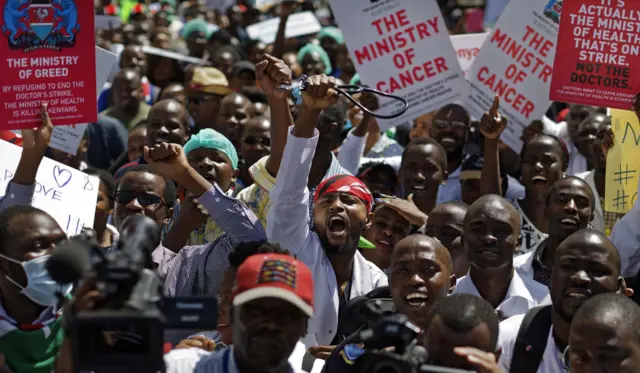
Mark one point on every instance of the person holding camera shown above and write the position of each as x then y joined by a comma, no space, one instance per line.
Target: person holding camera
271,306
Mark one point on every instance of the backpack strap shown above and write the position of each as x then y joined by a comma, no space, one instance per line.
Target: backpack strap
531,340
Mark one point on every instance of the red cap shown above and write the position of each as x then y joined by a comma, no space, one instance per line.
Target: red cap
275,276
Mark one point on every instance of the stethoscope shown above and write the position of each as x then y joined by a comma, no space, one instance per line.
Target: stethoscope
347,90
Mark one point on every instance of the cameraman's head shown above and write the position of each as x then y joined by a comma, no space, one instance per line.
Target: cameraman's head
27,237
142,191
272,303
421,274
239,254
460,320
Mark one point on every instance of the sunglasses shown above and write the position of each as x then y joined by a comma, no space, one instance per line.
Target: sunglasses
199,100
144,199
255,140
454,124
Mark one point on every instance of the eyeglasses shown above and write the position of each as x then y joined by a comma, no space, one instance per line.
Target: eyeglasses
144,199
453,124
255,140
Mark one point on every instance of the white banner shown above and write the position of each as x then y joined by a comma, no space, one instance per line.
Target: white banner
402,48
65,193
516,63
298,24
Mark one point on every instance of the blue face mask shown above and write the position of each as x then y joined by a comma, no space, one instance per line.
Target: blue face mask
41,289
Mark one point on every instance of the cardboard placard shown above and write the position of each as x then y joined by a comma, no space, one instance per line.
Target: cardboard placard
599,64
515,63
402,48
298,24
623,163
43,48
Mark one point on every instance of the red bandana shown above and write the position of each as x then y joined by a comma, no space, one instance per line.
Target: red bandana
345,184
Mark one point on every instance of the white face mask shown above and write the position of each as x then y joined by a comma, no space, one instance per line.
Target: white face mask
41,289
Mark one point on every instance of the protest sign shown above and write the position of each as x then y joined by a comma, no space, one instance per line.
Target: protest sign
623,163
402,48
67,138
45,59
515,63
600,43
298,24
467,47
65,193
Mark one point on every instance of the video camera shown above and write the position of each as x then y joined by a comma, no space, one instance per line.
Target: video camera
407,357
125,330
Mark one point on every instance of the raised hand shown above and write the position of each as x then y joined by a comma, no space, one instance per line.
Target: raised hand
485,362
405,208
197,341
270,72
320,92
287,7
38,139
492,123
168,159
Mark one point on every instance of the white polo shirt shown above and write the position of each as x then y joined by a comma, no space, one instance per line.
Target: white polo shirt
551,358
521,296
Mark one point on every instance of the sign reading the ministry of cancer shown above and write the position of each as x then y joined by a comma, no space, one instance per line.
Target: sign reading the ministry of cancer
515,63
47,54
600,59
402,47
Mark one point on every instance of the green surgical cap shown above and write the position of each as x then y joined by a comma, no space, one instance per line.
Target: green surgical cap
196,25
315,48
212,139
355,80
333,33
365,244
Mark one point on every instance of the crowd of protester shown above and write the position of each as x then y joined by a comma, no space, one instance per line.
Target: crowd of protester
505,260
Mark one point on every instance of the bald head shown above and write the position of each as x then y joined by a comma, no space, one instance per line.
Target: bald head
235,98
126,75
590,241
493,205
423,243
171,106
611,309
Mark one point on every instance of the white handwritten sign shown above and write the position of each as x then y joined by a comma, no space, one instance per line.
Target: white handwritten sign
65,193
298,24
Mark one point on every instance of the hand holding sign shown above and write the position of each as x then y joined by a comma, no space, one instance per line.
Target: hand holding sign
38,139
270,72
493,123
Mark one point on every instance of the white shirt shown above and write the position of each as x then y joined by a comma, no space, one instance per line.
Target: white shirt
523,264
551,358
288,225
197,360
531,236
598,217
521,295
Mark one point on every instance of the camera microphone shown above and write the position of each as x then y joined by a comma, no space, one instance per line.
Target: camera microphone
68,262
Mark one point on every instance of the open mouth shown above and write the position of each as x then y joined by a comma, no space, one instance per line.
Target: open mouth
337,224
489,251
418,188
384,244
416,299
446,140
539,180
569,222
579,294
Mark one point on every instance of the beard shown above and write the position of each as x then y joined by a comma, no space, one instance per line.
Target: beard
349,245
